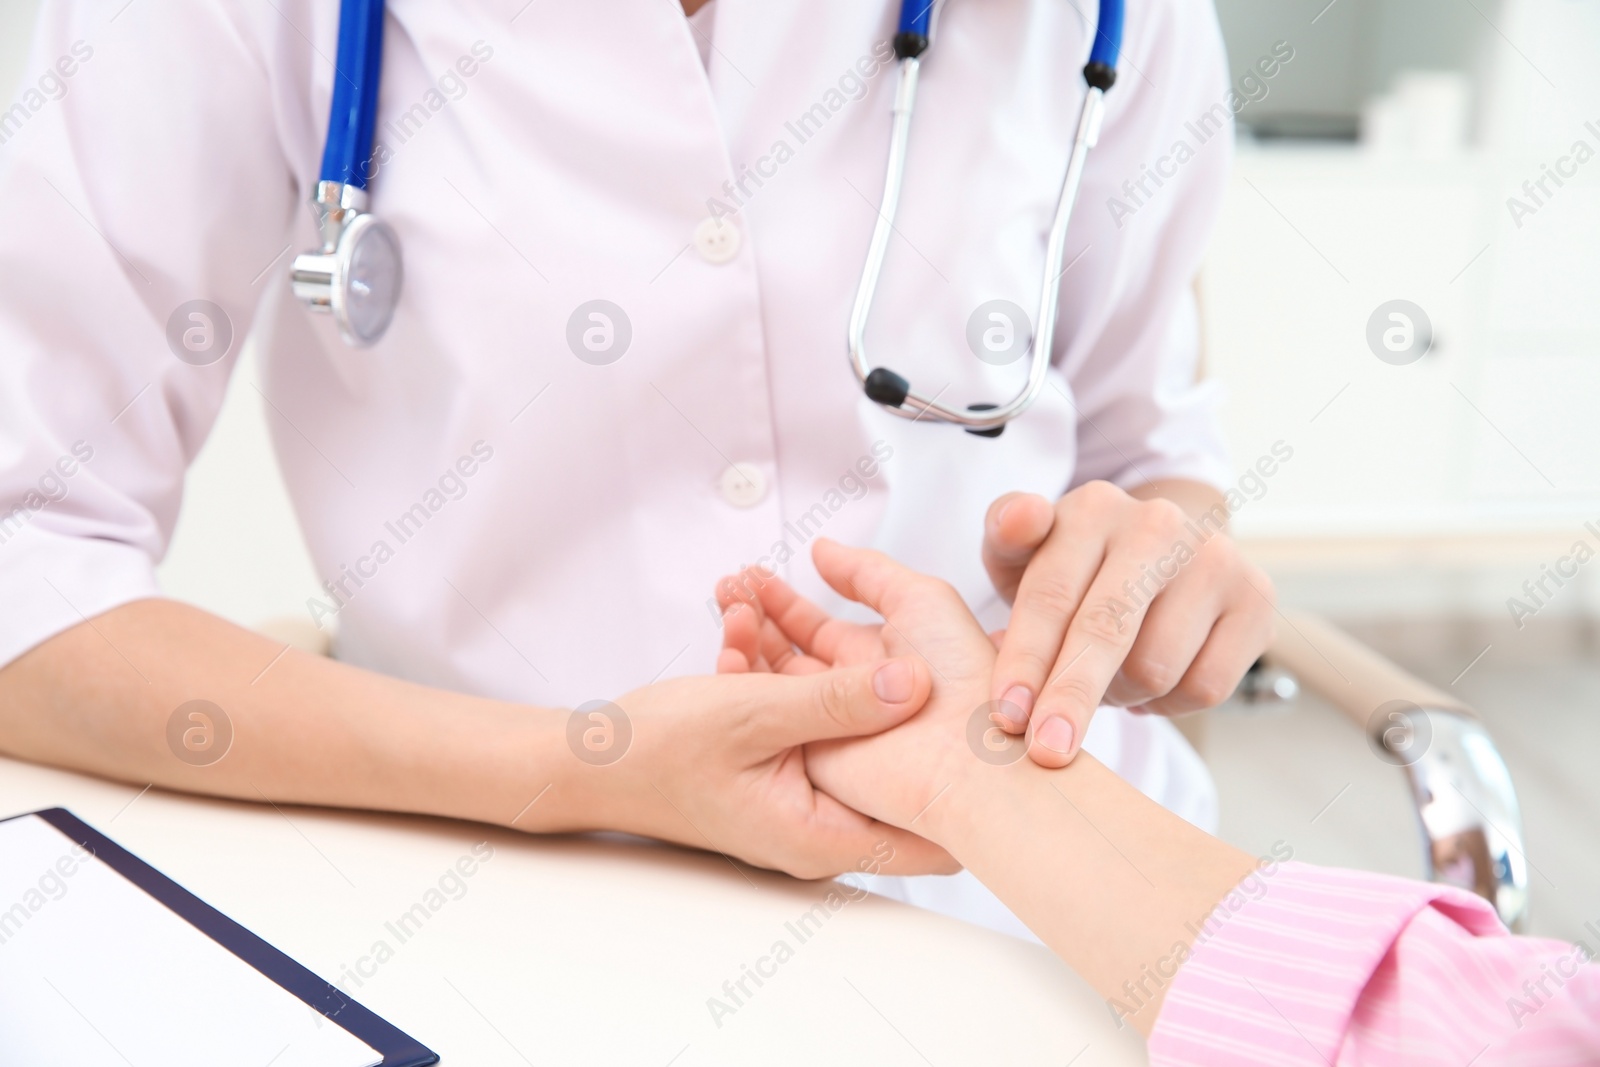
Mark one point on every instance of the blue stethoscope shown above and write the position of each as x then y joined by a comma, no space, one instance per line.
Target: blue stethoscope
883,385
357,273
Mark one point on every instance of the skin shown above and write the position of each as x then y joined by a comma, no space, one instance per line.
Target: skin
1108,879
1082,632
714,762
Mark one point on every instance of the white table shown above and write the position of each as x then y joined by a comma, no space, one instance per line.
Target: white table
600,951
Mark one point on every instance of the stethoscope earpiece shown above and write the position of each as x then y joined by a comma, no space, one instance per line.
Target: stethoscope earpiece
886,387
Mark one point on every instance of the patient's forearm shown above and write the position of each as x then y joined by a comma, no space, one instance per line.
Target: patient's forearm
1107,878
306,729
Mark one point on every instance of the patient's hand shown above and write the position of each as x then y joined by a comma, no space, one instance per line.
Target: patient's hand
1105,876
767,626
894,775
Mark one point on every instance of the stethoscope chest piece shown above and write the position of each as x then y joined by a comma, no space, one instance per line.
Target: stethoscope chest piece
358,272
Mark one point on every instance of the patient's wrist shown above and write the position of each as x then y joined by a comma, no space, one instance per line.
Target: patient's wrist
977,774
965,797
978,803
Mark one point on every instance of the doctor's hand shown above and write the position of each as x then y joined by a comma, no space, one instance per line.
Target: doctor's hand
720,763
1119,600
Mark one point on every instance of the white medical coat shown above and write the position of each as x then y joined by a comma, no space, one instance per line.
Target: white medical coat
496,503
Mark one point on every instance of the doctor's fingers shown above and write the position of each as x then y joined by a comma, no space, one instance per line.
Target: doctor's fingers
1051,593
1100,533
1216,604
1103,629
1173,626
1016,525
1235,642
793,710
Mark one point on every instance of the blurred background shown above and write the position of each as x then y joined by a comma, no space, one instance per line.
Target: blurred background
1380,164
1384,161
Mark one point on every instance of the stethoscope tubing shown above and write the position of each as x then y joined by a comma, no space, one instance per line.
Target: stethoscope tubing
353,114
341,196
893,392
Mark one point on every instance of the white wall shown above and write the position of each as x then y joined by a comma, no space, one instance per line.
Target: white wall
1477,464
1492,431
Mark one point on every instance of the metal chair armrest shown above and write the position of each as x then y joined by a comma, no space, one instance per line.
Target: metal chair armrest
1466,804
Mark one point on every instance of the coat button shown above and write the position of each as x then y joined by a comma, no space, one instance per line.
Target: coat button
717,240
743,485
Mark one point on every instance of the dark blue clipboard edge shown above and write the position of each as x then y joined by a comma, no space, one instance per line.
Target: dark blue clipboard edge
397,1048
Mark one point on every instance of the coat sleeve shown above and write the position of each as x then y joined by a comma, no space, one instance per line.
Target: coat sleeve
145,206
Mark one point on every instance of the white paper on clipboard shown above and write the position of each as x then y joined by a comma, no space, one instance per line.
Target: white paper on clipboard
95,972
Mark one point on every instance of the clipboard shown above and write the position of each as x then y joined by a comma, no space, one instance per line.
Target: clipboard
396,1047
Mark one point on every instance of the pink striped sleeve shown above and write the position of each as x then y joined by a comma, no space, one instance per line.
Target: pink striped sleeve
1322,966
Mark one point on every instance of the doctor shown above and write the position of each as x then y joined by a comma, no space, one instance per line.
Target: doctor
631,234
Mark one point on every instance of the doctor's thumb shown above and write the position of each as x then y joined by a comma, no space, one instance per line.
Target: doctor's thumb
852,701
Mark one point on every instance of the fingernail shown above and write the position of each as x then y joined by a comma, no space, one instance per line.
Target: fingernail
1055,733
1016,704
894,682
1000,516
